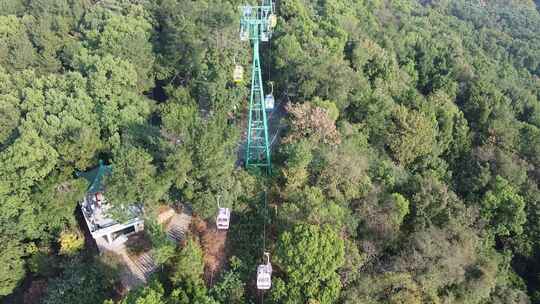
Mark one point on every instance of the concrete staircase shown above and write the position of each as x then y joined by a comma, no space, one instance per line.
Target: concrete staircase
177,227
175,234
139,268
144,265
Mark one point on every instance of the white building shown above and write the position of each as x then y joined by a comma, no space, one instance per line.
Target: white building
107,232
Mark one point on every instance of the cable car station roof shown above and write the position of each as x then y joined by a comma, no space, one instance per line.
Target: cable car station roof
95,210
95,177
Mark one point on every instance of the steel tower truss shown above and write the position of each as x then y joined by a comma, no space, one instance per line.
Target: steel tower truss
256,26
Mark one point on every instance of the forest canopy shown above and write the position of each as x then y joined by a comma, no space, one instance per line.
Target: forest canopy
407,169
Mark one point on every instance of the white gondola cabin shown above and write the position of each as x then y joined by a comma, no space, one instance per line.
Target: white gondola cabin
223,219
264,274
269,99
269,102
244,30
265,36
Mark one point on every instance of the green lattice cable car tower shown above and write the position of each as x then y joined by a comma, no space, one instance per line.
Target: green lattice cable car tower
256,25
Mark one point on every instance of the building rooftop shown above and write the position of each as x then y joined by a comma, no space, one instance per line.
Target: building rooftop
94,206
96,176
95,209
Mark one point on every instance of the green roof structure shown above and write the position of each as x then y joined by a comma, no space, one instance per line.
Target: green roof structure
96,176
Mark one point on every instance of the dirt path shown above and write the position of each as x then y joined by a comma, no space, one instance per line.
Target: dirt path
213,244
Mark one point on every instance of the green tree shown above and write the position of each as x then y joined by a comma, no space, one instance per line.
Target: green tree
309,257
433,204
28,160
295,171
122,36
411,135
401,206
163,248
9,116
310,205
390,287
12,269
373,61
134,179
230,287
60,109
81,282
179,115
112,84
503,208
453,136
187,276
213,157
153,293
482,100
55,198
71,242
343,171
16,50
189,264
530,143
